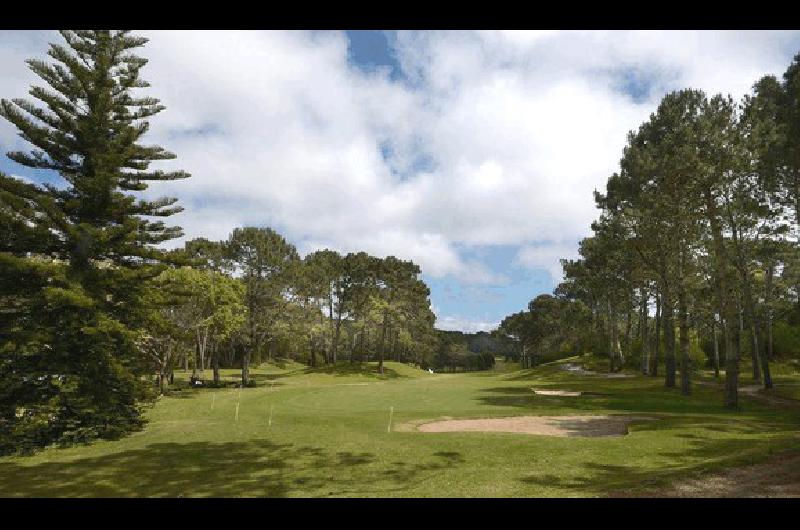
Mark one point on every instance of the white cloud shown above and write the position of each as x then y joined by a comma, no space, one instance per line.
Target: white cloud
465,324
547,256
519,128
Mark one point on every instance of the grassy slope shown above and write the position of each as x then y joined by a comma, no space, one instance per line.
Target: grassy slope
329,438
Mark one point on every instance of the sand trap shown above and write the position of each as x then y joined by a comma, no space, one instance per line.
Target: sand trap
577,369
556,392
542,425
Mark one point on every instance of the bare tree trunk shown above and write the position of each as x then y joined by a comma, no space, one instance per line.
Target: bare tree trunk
768,307
628,323
657,338
683,323
363,332
246,367
382,343
669,338
335,342
612,338
722,285
203,345
196,357
643,332
716,346
215,361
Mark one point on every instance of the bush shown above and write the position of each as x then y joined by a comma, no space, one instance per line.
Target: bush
785,340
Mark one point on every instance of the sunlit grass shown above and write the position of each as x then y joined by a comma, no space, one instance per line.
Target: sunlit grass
328,437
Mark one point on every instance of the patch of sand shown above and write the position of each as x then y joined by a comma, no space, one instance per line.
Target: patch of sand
578,369
777,477
542,425
556,392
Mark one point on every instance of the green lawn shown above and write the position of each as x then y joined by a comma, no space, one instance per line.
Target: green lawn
329,438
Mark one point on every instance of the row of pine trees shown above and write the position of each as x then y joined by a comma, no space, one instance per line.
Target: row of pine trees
695,249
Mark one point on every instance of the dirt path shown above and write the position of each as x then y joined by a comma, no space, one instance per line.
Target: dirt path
542,425
777,477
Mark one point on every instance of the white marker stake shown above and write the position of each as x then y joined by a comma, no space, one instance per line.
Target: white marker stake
236,418
270,416
391,411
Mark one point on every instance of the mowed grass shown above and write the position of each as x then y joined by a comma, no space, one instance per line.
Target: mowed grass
328,438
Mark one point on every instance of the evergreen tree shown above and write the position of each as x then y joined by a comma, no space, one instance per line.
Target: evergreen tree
71,366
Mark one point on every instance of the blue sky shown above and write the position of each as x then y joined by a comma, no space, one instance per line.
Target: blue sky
473,153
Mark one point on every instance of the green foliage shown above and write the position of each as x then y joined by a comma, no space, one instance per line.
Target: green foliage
76,259
786,339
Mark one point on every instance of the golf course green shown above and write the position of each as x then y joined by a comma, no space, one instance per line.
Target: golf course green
326,433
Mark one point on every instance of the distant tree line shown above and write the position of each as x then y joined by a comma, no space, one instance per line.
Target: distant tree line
464,352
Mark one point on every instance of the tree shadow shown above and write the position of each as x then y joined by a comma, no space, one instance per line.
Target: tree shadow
258,468
697,462
349,369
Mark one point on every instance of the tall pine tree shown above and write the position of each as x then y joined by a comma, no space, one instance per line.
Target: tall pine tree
75,258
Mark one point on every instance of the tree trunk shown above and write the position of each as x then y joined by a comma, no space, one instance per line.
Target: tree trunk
361,340
747,304
203,345
612,338
667,311
657,338
628,323
215,362
643,332
768,308
716,346
722,284
246,368
683,322
337,330
383,342
196,357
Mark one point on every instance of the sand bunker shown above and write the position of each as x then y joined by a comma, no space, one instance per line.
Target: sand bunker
542,425
577,369
556,392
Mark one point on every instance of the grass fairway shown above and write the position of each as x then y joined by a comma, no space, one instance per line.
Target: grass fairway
329,438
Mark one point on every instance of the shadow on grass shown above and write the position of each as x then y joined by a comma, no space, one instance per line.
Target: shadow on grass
349,369
702,458
257,468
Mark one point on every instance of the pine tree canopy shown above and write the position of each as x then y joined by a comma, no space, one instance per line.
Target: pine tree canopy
76,260
87,126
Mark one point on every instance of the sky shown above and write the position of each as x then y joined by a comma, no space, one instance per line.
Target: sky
472,153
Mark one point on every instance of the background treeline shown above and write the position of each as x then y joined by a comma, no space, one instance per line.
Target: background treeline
95,317
251,298
466,352
694,259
